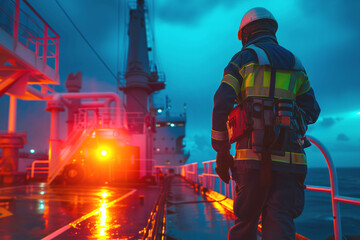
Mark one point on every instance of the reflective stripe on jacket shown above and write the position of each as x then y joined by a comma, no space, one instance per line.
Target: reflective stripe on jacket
290,157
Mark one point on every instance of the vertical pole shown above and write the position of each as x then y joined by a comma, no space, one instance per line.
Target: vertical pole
12,114
227,186
220,186
16,22
54,142
193,173
334,187
204,176
57,55
196,172
211,178
45,47
37,48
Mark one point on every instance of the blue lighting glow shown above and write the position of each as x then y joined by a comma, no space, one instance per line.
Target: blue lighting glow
32,150
42,205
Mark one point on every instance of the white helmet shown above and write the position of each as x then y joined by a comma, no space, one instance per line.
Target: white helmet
255,14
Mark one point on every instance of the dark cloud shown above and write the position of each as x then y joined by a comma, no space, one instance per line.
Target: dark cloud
202,142
329,121
342,137
338,11
337,21
188,11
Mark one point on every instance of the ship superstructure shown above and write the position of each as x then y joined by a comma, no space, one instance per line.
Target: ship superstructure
169,145
163,132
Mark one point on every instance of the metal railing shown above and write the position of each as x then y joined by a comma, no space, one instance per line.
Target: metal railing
207,180
156,226
35,169
336,198
102,117
190,171
29,28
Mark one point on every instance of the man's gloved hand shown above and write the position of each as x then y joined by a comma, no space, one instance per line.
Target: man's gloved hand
224,161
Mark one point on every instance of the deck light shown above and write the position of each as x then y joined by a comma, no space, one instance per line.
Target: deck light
103,153
32,150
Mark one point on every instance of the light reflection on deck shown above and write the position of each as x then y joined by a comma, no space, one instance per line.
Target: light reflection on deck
79,212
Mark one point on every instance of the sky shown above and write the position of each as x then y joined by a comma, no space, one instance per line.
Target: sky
194,41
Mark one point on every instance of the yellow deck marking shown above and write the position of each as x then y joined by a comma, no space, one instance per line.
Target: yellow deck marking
4,213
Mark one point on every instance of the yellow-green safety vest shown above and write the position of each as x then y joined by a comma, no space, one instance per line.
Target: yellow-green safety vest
261,80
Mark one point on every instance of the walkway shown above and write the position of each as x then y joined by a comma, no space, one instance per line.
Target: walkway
191,215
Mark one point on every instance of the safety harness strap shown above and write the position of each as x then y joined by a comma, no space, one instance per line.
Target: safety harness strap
272,83
261,54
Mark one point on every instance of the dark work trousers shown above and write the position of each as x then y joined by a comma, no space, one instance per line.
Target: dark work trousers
278,205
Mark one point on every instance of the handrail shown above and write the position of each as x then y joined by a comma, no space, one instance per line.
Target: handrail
156,226
334,190
33,167
40,35
43,20
208,181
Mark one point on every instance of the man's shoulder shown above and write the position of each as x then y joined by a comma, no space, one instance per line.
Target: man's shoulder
281,57
244,57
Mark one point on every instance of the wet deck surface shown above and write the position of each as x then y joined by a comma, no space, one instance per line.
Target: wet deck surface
80,212
192,216
38,211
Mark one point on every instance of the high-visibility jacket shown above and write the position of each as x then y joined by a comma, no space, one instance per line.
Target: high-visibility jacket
263,69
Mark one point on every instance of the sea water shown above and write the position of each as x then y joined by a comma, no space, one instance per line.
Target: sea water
316,222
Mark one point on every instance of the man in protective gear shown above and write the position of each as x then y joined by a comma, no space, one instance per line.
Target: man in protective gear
274,104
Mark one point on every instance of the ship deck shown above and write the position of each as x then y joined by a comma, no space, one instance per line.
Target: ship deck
192,215
40,211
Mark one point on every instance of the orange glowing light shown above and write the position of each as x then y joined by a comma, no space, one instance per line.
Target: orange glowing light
103,153
103,221
104,194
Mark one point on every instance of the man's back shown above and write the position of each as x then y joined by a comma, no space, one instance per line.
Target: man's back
271,88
